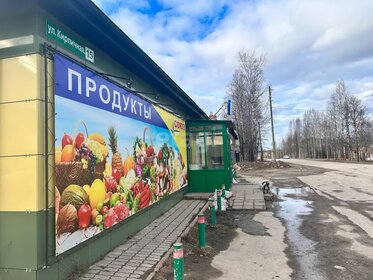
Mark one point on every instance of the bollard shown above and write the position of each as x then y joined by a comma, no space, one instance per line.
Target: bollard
223,190
218,193
201,231
212,211
234,174
178,261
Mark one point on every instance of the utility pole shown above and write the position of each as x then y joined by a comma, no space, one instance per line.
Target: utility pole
273,128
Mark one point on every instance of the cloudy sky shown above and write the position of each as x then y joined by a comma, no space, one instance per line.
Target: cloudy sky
309,45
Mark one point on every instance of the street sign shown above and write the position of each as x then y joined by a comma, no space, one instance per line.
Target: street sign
67,41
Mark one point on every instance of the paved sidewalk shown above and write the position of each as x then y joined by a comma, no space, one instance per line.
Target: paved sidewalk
137,257
247,196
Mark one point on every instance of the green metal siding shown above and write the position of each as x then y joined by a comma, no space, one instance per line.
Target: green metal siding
22,240
6,274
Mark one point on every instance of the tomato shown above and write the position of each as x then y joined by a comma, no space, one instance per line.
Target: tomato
79,139
66,140
84,215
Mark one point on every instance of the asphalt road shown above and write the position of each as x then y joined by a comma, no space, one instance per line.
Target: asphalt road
319,227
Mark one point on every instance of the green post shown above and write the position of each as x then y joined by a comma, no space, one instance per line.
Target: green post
201,231
223,190
212,211
178,261
218,193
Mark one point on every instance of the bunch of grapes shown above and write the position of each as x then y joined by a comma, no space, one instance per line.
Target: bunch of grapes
82,152
92,163
88,159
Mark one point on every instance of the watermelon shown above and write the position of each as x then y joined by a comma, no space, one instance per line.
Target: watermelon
74,195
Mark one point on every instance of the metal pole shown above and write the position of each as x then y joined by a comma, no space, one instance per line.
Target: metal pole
273,128
223,190
46,150
218,193
212,211
178,261
201,231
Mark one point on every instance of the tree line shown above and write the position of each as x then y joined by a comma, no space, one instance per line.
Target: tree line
344,131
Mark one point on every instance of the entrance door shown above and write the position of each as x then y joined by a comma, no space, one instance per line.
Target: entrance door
208,157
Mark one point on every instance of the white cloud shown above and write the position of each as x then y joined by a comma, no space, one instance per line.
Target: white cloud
308,44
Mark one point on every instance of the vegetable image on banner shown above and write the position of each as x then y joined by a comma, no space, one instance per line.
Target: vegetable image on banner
115,154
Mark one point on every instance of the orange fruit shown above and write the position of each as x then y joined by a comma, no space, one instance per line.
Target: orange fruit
57,155
67,154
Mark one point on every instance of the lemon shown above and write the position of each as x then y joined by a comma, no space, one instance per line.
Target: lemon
97,193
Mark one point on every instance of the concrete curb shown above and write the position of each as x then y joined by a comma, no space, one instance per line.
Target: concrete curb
169,252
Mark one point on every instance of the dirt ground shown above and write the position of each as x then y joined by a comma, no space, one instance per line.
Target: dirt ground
259,165
197,260
326,220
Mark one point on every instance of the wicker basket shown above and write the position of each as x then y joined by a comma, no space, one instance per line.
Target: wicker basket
148,160
68,173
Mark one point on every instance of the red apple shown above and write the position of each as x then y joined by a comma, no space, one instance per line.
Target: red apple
66,140
79,139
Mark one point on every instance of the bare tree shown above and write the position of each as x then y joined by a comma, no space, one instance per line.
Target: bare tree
343,132
339,114
246,91
357,116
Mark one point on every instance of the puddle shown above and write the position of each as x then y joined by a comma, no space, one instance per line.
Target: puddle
292,207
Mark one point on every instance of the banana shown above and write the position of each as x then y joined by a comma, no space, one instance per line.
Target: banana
97,137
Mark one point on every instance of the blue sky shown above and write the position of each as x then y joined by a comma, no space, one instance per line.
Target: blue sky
308,44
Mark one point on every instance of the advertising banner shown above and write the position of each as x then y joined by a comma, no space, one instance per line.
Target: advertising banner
115,153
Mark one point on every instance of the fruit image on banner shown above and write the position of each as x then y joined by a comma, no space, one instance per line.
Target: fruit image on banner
115,154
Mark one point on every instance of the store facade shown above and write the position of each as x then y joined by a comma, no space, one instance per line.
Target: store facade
93,138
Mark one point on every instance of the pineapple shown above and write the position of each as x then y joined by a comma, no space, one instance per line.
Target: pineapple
116,161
